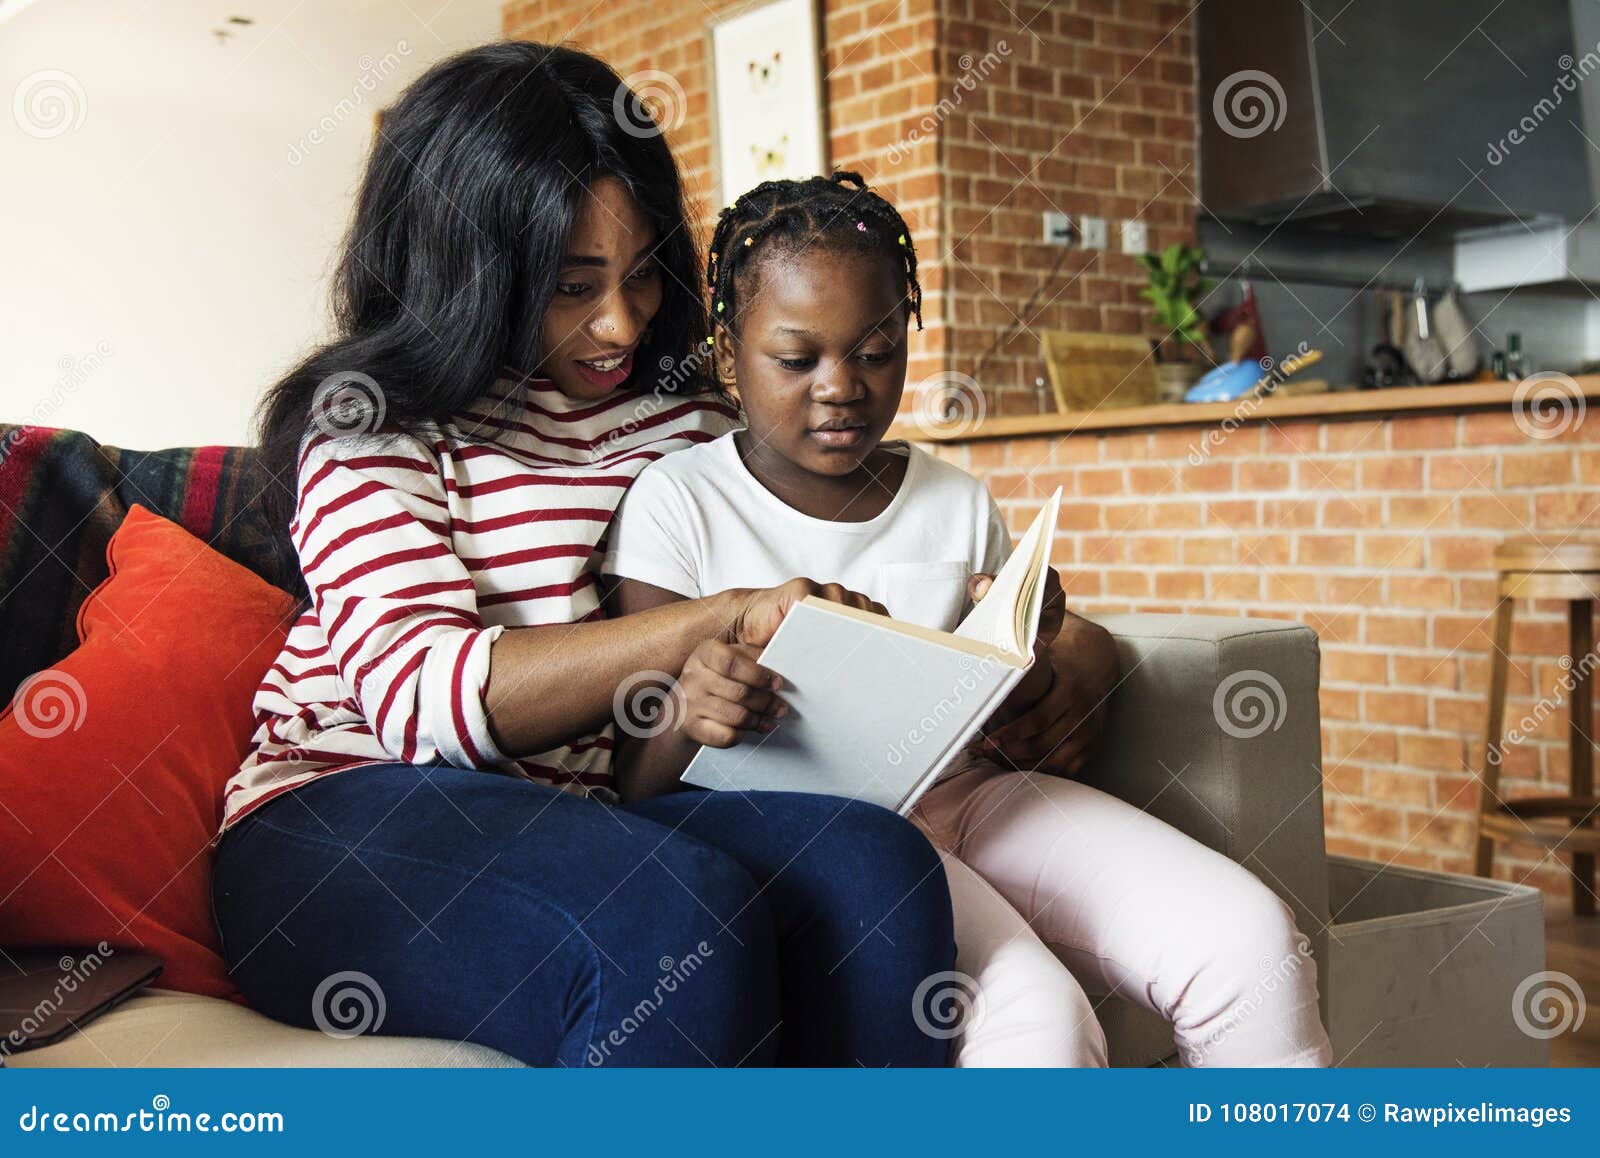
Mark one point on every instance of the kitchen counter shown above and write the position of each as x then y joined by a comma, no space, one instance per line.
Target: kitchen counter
1395,400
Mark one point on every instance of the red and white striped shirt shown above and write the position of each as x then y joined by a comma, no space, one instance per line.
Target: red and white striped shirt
418,551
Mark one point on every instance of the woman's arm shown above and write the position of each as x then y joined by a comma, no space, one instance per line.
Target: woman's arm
548,684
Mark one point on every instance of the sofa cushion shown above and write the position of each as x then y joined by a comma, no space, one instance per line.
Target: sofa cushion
162,1028
112,762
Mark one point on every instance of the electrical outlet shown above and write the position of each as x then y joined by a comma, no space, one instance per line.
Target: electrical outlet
1094,232
1135,239
1057,228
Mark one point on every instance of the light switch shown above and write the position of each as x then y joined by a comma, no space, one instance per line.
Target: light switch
1057,228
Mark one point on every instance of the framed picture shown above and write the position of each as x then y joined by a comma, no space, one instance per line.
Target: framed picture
767,114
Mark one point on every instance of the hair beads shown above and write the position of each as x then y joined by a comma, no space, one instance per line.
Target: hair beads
837,208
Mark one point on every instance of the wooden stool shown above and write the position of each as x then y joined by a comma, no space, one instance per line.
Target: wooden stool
1531,570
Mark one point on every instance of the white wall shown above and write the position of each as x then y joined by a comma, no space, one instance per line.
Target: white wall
169,205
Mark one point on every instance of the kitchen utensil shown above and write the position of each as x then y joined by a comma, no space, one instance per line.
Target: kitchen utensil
1456,336
1421,346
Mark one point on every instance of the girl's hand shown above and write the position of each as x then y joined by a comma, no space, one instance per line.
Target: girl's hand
727,693
763,609
1056,732
1051,616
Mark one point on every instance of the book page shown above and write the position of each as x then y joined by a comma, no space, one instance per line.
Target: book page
1007,617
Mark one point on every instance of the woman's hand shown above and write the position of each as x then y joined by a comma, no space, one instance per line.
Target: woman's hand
763,609
1056,731
727,693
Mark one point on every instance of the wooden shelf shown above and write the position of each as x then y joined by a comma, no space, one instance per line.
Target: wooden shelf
1334,404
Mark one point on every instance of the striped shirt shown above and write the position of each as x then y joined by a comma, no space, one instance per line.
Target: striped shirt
419,550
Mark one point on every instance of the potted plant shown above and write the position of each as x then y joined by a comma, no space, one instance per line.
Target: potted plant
1175,289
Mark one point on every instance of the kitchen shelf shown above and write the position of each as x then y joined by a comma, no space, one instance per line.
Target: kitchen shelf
1393,400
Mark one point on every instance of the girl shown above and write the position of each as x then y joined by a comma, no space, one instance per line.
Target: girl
814,284
426,805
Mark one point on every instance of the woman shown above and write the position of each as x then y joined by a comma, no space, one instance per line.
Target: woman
519,323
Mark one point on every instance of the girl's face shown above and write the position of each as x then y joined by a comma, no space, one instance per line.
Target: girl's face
820,356
608,290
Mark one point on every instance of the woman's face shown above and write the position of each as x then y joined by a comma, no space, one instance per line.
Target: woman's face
608,290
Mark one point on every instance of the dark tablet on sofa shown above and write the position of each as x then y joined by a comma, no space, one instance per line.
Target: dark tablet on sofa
45,994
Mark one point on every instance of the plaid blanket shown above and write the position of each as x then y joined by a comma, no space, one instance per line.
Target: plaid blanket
62,495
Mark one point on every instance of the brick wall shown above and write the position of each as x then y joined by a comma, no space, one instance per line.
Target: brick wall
1091,110
1380,535
974,116
880,69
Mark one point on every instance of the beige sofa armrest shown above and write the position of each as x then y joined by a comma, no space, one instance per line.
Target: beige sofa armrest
1215,728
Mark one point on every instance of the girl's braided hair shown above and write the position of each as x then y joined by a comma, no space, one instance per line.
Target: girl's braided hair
834,210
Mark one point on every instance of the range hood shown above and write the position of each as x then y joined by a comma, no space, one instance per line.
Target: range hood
1391,119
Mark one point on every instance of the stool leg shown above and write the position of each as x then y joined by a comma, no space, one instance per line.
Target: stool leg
1580,741
1493,730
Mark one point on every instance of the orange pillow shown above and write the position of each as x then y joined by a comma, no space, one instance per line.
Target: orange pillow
112,763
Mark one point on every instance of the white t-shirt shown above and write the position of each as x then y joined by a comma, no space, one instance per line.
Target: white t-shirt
697,522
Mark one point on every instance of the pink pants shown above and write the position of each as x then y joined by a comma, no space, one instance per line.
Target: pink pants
1063,893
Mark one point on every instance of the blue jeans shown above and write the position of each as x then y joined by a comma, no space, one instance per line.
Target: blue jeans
692,929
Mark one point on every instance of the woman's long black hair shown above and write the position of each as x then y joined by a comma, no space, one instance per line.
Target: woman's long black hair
460,227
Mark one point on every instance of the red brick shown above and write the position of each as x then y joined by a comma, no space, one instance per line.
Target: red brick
1264,476
1455,472
1542,467
1403,789
1325,550
1325,474
1391,552
1206,549
1424,432
1420,511
1426,671
1493,428
1446,753
1397,473
1391,706
1395,630
1364,435
1342,665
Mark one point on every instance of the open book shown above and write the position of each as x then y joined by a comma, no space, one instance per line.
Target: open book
880,708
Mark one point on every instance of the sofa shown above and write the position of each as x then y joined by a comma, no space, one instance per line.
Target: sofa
1214,729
